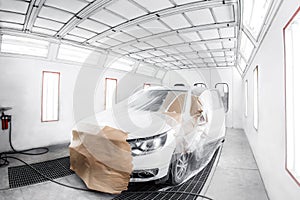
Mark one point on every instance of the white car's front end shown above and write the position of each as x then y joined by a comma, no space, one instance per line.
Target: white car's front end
152,156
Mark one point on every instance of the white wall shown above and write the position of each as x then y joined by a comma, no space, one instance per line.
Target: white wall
211,77
268,143
21,87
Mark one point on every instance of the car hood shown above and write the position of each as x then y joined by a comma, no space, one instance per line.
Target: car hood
137,123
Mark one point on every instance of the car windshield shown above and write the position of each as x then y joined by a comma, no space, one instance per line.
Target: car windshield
158,100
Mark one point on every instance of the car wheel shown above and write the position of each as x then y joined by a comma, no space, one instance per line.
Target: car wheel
179,168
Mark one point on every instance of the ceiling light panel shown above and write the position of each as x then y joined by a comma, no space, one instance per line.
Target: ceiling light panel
126,9
192,56
209,34
220,59
142,45
12,17
93,26
204,55
176,21
156,53
45,23
227,32
208,60
122,37
145,55
43,31
82,33
55,14
169,59
157,60
171,51
108,18
157,42
173,39
136,56
198,47
218,54
184,49
109,41
136,31
98,44
73,6
74,38
130,48
229,44
215,45
190,37
155,27
179,2
224,13
11,25
14,6
229,53
200,17
158,5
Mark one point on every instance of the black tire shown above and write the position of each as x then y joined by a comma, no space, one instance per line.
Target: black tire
179,168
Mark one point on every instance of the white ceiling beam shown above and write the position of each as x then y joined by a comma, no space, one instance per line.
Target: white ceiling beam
86,12
182,30
34,9
163,13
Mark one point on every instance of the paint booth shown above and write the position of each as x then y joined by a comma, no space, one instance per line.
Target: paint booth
139,99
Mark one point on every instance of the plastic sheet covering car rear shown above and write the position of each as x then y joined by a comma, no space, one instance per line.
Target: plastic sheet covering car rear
173,133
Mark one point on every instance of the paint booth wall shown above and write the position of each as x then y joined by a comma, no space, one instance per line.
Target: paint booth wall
81,94
211,77
268,142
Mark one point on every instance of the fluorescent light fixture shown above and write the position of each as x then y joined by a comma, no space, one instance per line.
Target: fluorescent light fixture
24,46
255,14
122,64
146,70
77,54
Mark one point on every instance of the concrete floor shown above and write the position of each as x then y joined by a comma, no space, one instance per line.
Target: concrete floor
236,177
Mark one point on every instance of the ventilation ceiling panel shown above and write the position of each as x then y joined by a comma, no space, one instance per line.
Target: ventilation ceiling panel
73,6
48,24
176,21
200,17
14,6
224,13
93,26
12,17
55,14
136,31
155,27
126,9
108,18
152,7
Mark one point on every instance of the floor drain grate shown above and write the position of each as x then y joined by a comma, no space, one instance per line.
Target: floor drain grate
23,175
194,185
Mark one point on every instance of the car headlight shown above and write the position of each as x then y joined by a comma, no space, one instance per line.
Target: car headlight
143,146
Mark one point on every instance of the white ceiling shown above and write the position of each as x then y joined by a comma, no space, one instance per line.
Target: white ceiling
171,34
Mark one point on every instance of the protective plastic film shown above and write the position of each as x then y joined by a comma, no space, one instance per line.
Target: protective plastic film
172,135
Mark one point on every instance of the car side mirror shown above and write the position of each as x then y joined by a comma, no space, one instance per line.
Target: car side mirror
202,120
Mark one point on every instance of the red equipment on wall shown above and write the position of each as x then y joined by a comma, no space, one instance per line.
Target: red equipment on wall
5,119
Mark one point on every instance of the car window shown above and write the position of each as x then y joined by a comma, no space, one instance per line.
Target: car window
196,106
177,105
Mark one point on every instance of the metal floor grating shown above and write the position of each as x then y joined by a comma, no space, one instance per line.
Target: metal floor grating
194,185
23,175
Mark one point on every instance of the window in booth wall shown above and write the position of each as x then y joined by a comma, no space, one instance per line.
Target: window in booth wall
224,93
110,92
292,95
255,98
246,97
147,85
200,85
50,96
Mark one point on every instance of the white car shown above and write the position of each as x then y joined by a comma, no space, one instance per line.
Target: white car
173,132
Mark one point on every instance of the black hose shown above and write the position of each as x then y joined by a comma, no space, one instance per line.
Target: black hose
3,155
